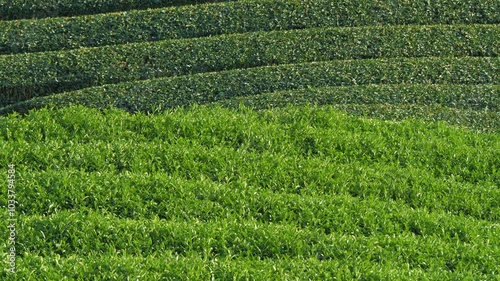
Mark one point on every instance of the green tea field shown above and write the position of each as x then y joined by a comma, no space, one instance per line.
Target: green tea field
250,140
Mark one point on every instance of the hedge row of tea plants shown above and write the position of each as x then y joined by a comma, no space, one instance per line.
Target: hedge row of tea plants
477,120
248,238
214,86
234,17
468,106
27,75
26,9
474,97
70,176
228,247
169,266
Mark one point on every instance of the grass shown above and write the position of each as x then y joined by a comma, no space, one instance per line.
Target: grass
292,193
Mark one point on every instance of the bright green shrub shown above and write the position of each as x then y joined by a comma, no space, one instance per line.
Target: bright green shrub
207,191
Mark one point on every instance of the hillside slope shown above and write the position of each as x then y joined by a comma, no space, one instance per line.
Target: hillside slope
228,140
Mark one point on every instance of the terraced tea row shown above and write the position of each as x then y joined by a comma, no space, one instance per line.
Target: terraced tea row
52,72
22,9
209,87
310,200
475,97
233,17
471,106
67,234
193,267
481,121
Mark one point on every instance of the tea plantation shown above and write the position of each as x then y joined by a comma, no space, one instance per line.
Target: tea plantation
250,140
